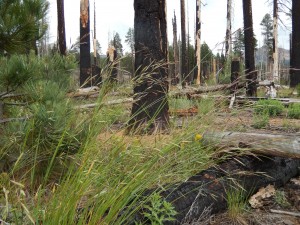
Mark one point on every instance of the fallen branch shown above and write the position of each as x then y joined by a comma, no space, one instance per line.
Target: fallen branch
285,212
112,102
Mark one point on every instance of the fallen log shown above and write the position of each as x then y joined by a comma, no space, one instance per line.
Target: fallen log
208,189
112,102
200,90
266,144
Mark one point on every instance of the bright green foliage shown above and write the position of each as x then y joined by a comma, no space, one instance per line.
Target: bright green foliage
261,120
269,106
237,202
14,72
267,32
294,111
21,24
298,90
159,210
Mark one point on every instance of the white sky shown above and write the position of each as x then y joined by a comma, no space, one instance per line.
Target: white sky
118,16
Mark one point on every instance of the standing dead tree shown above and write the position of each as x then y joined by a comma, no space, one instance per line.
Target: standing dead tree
175,47
183,44
295,54
228,30
198,41
251,74
61,27
85,59
150,108
276,77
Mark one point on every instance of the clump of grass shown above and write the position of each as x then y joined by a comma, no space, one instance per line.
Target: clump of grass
294,111
270,106
281,199
261,120
298,90
236,202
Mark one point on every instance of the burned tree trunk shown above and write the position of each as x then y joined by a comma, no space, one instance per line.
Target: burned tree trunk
295,59
198,41
183,44
150,108
61,27
251,74
228,30
85,59
175,48
208,189
276,77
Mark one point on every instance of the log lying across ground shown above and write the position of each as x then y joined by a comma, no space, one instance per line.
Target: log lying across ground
207,191
287,145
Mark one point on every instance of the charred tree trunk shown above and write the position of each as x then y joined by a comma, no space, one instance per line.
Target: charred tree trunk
85,59
183,44
208,189
228,30
251,74
295,59
198,41
61,27
150,108
276,77
175,48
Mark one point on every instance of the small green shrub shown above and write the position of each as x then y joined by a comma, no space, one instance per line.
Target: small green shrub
294,111
159,210
298,90
261,120
280,199
270,106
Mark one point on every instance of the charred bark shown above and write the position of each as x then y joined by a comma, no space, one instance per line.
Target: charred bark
251,74
150,108
183,45
175,49
295,56
85,46
208,189
61,27
276,77
235,71
198,41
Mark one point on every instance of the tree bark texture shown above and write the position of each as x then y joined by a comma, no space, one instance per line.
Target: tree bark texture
235,71
85,46
61,27
276,77
175,48
183,45
150,107
208,189
198,41
228,30
251,74
295,59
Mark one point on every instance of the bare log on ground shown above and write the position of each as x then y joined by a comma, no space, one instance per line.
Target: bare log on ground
209,188
266,144
189,92
112,102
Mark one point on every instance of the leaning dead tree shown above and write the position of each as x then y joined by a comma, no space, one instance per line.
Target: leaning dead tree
276,77
184,72
61,27
175,47
251,74
150,108
85,60
295,54
198,41
228,30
